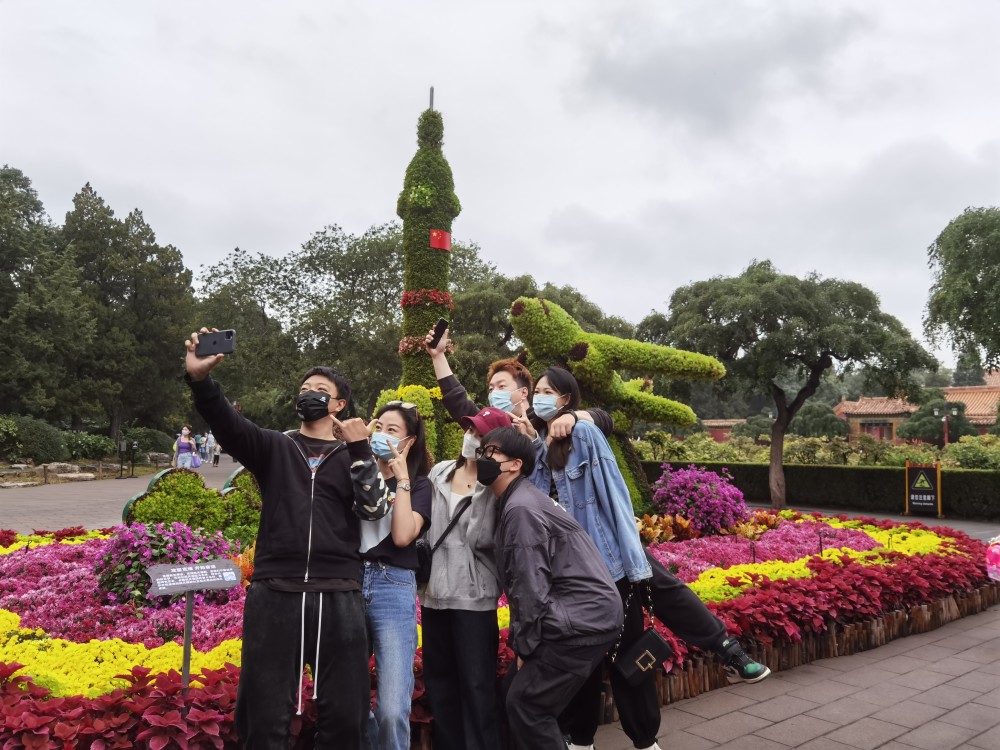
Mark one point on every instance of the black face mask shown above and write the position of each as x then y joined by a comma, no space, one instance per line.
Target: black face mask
312,405
487,471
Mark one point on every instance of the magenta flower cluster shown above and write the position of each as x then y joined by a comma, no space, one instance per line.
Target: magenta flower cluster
787,543
708,500
53,587
121,571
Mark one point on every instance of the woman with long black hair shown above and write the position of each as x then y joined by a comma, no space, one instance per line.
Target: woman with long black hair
580,472
389,585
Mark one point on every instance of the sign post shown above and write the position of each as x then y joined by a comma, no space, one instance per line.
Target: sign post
167,580
923,489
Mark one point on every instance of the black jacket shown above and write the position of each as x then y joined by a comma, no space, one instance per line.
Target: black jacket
309,519
556,582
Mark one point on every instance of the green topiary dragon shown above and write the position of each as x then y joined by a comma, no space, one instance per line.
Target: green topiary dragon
553,337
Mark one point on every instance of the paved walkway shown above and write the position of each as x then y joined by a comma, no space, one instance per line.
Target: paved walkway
933,691
92,505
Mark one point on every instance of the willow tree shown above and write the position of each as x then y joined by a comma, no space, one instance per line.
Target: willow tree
427,205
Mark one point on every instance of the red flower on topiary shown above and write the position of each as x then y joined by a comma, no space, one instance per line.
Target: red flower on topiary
427,297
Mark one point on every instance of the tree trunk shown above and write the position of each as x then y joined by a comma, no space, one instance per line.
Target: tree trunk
776,471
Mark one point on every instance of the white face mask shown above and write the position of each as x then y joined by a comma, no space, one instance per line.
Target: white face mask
185,432
469,446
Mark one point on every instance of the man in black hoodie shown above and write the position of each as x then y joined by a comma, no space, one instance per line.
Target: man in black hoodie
565,611
304,604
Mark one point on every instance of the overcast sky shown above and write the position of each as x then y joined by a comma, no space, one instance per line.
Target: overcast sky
623,148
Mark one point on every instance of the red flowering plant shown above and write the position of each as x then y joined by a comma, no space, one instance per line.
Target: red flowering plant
427,297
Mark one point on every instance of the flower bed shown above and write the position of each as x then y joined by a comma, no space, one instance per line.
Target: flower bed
103,674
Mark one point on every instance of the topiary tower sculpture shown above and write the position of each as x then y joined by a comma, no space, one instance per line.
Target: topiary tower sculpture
427,205
553,337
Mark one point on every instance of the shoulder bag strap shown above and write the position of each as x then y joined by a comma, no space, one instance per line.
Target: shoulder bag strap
467,501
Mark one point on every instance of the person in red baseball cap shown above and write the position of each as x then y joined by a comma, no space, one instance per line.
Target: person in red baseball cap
458,606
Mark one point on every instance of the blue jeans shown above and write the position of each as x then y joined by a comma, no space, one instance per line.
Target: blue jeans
390,595
184,460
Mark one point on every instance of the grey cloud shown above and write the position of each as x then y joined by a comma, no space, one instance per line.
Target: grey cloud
714,71
871,225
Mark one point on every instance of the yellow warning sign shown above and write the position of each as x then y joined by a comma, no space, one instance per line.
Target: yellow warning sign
922,482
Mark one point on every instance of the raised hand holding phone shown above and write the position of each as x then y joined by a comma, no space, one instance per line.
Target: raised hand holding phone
437,340
199,367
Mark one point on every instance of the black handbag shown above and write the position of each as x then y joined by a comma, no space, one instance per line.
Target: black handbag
640,661
425,552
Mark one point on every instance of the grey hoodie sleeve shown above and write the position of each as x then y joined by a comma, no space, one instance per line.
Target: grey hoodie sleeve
526,563
372,498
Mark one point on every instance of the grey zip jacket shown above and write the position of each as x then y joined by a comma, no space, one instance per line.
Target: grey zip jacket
464,568
557,584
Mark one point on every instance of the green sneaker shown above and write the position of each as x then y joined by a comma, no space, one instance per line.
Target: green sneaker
739,666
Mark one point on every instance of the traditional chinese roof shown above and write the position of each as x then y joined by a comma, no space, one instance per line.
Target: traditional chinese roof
992,377
875,406
980,402
720,424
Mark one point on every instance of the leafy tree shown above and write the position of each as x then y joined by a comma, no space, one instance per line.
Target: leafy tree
964,303
756,427
969,368
925,425
22,221
763,323
139,294
818,420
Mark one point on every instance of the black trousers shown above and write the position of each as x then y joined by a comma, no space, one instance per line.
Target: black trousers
680,609
460,668
536,693
270,676
638,706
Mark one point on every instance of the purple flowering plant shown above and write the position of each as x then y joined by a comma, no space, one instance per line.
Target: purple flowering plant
53,587
708,500
121,570
788,542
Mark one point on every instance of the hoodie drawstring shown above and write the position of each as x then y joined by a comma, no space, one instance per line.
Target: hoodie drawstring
319,636
302,650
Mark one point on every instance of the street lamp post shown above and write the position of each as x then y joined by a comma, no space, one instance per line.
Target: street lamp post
954,413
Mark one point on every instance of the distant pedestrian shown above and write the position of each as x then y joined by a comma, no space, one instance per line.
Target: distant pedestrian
203,447
184,449
216,452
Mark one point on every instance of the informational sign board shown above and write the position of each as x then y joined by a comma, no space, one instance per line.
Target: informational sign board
923,489
176,579
183,579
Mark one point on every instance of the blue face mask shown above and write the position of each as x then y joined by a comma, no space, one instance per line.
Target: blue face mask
545,406
501,400
380,445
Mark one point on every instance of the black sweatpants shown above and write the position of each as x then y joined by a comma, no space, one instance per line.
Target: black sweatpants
638,706
460,668
536,694
680,609
270,676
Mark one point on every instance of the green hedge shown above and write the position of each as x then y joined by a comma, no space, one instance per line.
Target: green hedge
968,493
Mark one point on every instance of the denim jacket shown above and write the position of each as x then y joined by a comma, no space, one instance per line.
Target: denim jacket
592,489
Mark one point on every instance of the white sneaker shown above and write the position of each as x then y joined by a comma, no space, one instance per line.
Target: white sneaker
654,746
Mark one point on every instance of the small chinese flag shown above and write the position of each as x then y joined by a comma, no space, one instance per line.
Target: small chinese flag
440,240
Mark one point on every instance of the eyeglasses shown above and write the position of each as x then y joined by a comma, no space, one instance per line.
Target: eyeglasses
488,452
401,405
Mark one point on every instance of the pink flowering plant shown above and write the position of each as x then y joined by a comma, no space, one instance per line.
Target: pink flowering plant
708,500
788,542
121,570
53,587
